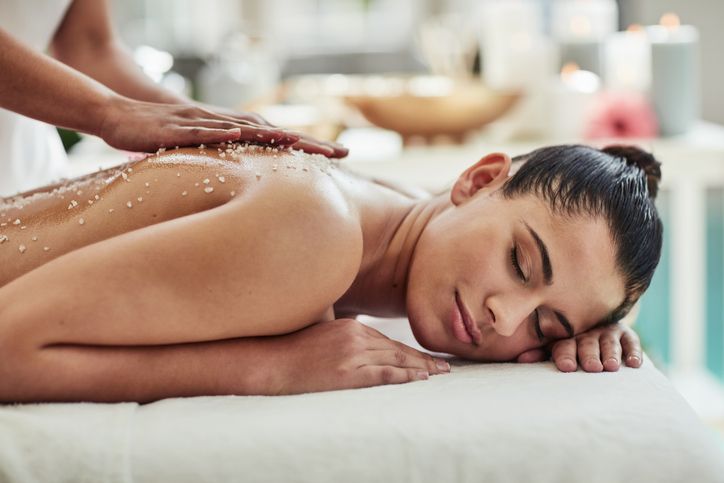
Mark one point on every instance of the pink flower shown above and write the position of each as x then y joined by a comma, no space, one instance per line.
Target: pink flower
621,115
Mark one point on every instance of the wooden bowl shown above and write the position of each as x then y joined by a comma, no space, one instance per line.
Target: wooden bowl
462,107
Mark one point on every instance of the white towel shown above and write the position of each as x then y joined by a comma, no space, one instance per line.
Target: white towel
482,422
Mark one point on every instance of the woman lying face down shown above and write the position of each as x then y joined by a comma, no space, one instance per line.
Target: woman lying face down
235,270
568,243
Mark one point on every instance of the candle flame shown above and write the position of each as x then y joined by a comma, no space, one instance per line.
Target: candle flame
670,21
569,68
580,25
635,27
579,80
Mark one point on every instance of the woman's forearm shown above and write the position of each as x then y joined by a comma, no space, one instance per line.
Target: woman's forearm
42,88
144,373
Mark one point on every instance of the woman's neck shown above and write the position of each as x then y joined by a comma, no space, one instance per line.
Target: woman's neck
391,225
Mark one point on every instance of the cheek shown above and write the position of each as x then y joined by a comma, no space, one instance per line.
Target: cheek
497,348
510,349
427,284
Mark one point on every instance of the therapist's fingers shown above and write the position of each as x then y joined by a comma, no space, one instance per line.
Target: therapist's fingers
251,132
305,142
631,345
252,117
139,126
184,136
338,151
311,147
564,355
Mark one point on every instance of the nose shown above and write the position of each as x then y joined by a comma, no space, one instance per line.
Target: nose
509,312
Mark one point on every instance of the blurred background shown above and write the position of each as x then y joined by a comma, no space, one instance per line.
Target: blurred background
418,89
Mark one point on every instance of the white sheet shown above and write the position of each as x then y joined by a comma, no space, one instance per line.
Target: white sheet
493,423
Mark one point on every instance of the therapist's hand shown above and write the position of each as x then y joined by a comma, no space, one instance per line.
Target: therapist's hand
597,350
344,354
305,143
146,126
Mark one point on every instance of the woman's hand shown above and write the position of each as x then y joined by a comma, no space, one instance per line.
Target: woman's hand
596,350
344,354
146,126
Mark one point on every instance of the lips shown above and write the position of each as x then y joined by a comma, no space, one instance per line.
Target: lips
462,319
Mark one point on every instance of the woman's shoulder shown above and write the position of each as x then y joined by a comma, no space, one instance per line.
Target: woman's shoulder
295,186
287,191
293,201
239,175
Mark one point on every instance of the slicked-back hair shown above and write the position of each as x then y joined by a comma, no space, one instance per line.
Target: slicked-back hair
617,183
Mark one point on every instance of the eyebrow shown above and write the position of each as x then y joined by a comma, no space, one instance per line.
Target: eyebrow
548,276
547,268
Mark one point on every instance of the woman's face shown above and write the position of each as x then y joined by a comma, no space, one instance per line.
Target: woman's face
492,277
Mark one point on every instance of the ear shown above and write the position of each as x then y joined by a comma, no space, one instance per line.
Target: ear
489,174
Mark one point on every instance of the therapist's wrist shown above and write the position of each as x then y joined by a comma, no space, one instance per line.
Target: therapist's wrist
113,108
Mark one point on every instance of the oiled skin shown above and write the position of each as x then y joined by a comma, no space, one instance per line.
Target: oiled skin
178,268
214,279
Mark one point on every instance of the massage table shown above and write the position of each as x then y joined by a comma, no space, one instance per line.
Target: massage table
482,422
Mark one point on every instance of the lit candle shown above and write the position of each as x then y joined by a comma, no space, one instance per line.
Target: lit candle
580,27
627,61
572,98
675,74
515,54
522,62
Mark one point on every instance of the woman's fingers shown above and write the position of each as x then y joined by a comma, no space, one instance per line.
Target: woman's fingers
564,355
600,349
610,352
399,357
631,348
379,375
589,352
381,343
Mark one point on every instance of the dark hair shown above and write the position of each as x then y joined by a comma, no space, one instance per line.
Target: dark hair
618,183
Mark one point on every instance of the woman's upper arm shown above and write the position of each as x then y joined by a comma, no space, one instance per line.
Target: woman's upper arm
268,263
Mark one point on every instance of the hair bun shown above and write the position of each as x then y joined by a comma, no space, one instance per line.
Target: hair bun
634,156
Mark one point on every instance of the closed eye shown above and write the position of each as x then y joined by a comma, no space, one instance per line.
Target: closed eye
516,264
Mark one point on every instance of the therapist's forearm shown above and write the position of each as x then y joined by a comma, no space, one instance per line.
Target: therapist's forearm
37,86
112,65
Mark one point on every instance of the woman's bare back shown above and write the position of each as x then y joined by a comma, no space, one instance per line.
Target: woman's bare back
188,235
42,225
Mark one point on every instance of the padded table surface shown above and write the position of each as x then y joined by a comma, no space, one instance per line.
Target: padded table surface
481,422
